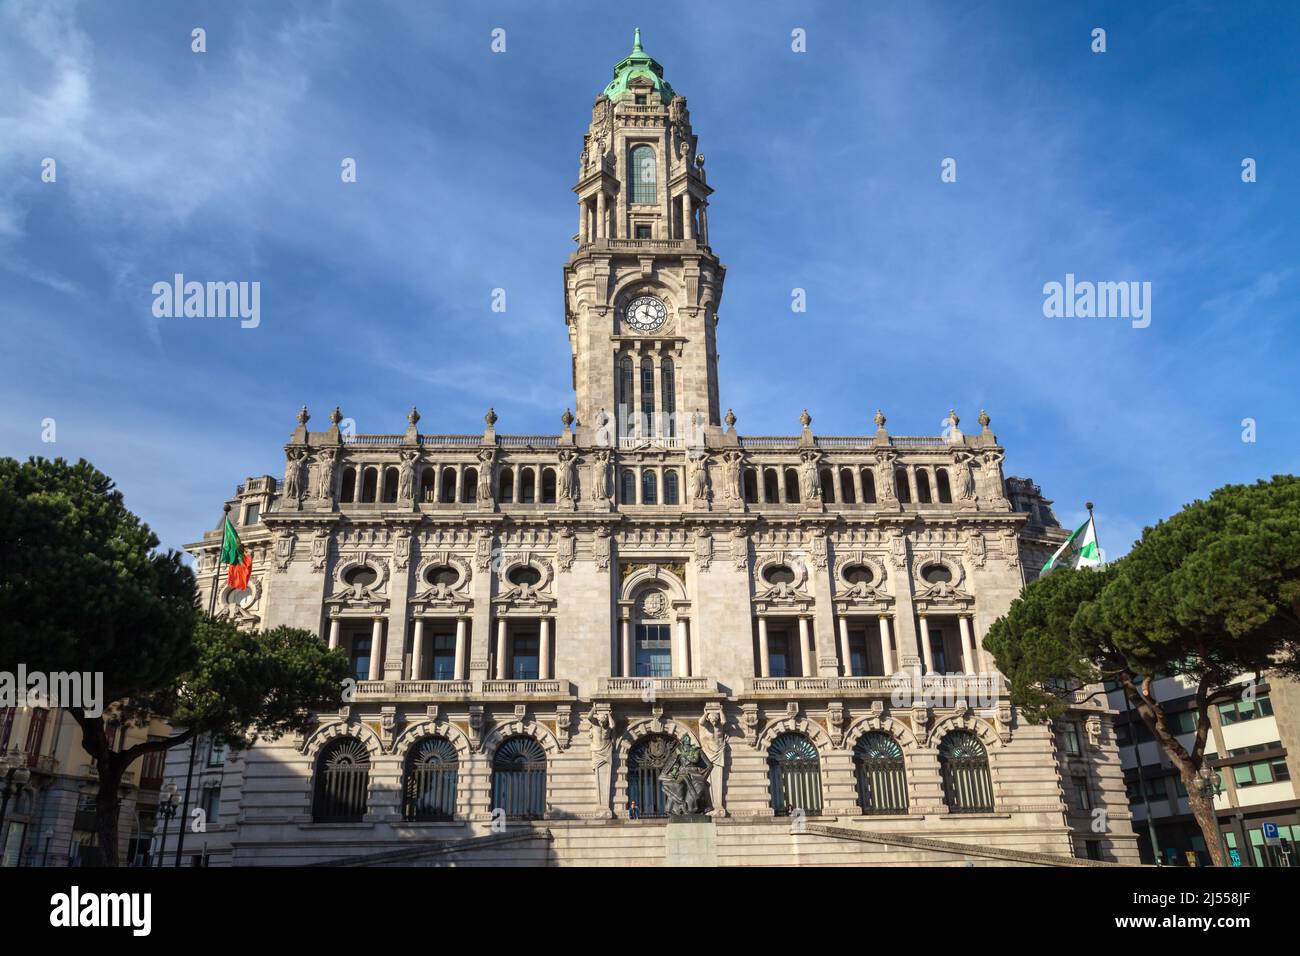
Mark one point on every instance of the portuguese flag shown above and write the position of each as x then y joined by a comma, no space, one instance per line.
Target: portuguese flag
239,563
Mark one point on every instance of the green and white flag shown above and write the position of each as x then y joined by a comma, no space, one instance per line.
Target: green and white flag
1079,550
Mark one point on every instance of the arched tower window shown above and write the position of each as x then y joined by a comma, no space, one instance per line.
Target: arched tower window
527,486
449,485
901,486
626,408
648,396
922,486
519,779
828,486
791,486
668,374
794,775
644,764
390,485
846,483
369,484
945,489
868,487
342,782
628,490
649,488
770,492
506,486
428,479
469,490
643,174
882,779
348,491
751,486
964,764
548,486
670,487
429,781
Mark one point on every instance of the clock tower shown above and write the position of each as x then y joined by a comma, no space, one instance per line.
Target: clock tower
642,288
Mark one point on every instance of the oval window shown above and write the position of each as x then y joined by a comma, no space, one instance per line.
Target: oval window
363,575
442,574
525,574
779,574
936,574
859,574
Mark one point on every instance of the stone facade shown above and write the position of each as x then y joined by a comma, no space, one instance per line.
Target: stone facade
650,573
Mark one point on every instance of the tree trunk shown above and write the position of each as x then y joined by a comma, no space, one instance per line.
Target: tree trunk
1207,819
108,805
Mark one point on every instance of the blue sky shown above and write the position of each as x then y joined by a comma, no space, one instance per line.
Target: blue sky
922,295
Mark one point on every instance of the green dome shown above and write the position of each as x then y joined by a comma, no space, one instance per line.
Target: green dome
636,64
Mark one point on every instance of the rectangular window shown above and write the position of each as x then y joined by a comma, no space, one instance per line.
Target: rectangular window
778,657
1261,772
36,732
361,657
444,657
642,231
251,514
937,652
1237,711
1081,795
216,755
524,660
654,650
1070,738
7,715
211,803
858,656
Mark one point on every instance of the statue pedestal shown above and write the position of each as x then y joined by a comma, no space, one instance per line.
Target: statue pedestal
690,840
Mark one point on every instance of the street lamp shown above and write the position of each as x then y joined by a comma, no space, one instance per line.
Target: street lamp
169,801
14,780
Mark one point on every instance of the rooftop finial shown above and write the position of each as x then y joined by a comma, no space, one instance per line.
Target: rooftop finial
636,41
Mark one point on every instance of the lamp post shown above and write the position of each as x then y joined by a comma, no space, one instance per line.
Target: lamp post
15,779
169,802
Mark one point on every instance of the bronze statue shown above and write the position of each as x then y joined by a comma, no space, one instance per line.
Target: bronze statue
685,780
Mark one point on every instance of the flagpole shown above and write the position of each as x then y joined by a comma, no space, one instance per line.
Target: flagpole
189,772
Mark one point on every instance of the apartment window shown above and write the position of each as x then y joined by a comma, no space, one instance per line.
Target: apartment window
778,656
1234,712
216,755
361,657
211,803
1083,799
444,657
1261,772
525,659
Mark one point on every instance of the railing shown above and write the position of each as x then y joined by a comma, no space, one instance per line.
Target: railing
660,244
768,441
917,440
528,441
520,687
946,684
666,685
632,442
456,441
845,441
430,688
371,439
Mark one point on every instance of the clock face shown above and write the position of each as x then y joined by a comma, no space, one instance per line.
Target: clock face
645,313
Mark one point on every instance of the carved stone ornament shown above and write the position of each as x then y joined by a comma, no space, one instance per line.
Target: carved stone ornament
565,548
320,546
601,547
703,548
284,542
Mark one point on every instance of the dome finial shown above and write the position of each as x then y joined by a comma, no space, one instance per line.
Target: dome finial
636,41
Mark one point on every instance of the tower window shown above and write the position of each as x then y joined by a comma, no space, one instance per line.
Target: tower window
667,373
643,174
648,397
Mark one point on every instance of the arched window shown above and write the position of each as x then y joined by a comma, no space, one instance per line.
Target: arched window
449,485
882,780
964,764
548,486
643,174
648,396
945,489
626,398
429,781
668,374
342,782
428,479
670,487
390,485
628,491
794,775
901,487
469,486
848,495
506,486
791,486
644,765
868,487
527,486
519,778
649,488
771,494
369,484
922,486
828,486
348,490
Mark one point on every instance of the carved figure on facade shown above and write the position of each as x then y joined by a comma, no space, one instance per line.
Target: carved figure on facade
406,476
486,474
685,779
700,479
292,490
885,477
600,476
325,474
566,484
600,724
731,484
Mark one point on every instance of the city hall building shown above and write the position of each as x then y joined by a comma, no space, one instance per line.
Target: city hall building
544,630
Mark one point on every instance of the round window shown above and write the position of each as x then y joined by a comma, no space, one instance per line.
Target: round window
936,574
779,574
442,574
363,575
859,574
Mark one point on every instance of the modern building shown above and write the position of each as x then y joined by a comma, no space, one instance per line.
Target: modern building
1250,747
535,623
50,819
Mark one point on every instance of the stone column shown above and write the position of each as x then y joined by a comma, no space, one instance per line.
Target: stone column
967,645
582,221
805,648
417,648
627,648
376,648
334,633
927,654
683,654
857,485
688,225
764,663
600,214
704,224
459,672
501,649
544,650
846,659
886,652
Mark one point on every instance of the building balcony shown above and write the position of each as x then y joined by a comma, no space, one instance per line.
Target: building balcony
928,685
460,690
634,688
